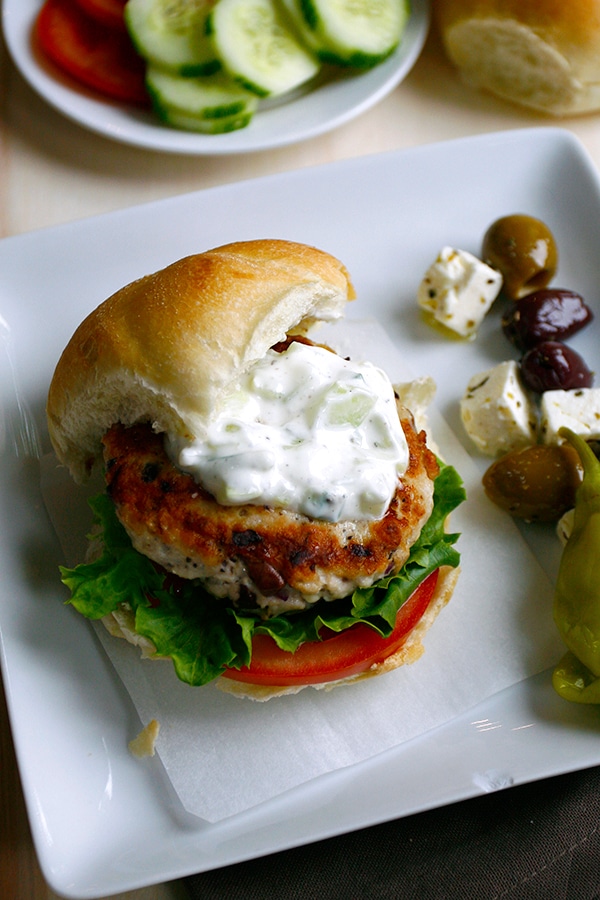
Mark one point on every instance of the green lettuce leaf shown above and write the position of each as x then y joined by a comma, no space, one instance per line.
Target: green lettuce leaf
203,635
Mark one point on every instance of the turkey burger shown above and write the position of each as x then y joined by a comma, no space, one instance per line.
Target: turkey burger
272,517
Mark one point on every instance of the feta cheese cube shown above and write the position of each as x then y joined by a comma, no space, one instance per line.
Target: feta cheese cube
578,410
458,290
496,411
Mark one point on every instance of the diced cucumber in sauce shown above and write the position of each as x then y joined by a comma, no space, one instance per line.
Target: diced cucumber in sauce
258,47
172,34
210,104
358,33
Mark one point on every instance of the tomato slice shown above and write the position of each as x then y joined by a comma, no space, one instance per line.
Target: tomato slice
338,655
95,55
110,12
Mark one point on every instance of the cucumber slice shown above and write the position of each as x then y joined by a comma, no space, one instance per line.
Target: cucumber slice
357,33
212,104
176,119
172,34
258,48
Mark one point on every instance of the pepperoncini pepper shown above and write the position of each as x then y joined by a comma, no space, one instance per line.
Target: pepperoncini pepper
577,593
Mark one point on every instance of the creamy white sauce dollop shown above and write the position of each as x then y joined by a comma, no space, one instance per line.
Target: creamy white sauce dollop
307,431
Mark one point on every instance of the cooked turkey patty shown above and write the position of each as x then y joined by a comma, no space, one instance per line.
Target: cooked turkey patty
258,555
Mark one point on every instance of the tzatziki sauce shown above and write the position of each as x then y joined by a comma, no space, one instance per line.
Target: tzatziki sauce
304,430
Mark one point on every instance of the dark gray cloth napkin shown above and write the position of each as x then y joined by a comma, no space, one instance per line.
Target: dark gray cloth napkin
539,841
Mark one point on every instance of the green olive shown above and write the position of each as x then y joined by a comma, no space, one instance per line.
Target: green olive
523,250
537,483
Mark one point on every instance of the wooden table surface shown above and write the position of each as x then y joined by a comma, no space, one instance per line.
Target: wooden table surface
53,171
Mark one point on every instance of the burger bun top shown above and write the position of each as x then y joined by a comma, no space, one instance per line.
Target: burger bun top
167,347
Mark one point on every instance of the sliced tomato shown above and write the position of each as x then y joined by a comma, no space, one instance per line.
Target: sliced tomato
337,656
110,12
95,55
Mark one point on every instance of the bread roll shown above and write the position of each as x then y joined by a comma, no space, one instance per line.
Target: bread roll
165,348
544,54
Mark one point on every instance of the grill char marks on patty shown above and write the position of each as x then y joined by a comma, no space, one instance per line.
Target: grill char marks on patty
275,558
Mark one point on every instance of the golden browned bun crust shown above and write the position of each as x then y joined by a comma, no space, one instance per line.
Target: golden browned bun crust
165,348
544,54
408,653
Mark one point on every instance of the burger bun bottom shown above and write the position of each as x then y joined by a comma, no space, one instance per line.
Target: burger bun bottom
121,624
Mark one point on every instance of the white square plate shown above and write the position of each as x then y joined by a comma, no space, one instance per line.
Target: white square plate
102,822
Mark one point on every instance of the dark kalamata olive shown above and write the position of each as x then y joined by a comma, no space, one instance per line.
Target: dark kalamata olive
551,314
523,249
554,366
537,484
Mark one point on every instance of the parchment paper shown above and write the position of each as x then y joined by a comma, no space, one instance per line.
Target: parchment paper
224,755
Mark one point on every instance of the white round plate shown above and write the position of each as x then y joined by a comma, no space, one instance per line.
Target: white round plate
317,111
